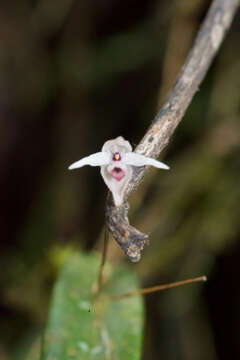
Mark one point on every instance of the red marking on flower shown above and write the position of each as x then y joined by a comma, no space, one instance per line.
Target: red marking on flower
116,156
117,173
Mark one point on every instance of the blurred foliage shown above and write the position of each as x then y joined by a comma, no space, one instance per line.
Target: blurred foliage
73,75
85,325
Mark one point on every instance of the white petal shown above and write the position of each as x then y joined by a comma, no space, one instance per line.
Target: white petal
117,187
117,145
97,159
134,159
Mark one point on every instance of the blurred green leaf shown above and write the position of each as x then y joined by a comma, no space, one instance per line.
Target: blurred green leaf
81,326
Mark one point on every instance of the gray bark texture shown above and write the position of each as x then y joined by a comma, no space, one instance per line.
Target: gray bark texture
201,55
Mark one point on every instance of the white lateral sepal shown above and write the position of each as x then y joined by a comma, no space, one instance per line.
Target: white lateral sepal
97,159
134,159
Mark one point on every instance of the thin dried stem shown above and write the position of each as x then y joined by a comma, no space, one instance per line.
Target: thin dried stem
103,260
157,288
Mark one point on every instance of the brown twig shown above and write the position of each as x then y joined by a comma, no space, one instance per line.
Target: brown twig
156,288
207,43
103,260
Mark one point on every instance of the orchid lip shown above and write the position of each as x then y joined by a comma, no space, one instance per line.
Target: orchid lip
117,173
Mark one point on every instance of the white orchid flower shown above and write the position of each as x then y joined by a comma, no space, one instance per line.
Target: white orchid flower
116,160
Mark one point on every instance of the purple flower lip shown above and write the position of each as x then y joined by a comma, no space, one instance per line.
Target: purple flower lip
117,173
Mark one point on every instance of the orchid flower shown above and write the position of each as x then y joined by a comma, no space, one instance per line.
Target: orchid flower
116,160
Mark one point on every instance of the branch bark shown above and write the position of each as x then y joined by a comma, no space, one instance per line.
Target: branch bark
206,45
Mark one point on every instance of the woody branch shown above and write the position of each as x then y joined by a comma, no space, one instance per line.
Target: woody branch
205,47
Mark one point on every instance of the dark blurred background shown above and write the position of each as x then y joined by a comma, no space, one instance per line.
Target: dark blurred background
73,75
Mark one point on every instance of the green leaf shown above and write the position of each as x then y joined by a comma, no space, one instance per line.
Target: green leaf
83,326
